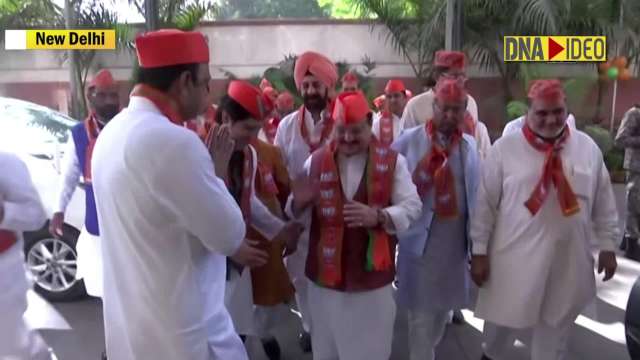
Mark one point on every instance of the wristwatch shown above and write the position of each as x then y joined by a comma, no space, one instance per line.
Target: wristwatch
382,217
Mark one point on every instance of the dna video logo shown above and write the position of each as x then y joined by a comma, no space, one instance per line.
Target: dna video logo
555,48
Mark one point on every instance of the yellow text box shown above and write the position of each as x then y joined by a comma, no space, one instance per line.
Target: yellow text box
95,39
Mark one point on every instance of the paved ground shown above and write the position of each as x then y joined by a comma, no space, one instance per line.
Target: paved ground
597,335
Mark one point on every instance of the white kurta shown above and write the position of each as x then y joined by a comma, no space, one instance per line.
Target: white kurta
167,223
517,124
541,267
397,125
295,152
23,211
419,110
88,246
239,293
343,321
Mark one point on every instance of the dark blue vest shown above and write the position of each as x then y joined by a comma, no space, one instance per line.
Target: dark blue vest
81,141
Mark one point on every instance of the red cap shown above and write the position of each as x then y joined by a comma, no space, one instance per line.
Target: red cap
451,89
394,86
449,59
285,101
379,102
264,83
550,89
351,108
250,98
350,78
103,79
171,47
318,65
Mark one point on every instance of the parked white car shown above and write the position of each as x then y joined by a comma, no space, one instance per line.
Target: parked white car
38,136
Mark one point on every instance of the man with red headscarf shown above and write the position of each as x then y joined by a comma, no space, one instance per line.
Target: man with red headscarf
350,82
298,135
420,108
387,123
104,104
167,219
544,199
433,255
357,194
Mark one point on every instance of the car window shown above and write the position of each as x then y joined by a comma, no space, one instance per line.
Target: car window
24,125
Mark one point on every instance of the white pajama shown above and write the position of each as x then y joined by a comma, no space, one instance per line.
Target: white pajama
426,330
546,342
352,325
89,252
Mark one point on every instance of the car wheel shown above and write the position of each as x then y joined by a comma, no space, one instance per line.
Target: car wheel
52,264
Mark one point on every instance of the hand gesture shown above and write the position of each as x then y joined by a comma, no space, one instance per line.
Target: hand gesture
359,215
56,225
221,147
607,263
480,269
250,255
289,236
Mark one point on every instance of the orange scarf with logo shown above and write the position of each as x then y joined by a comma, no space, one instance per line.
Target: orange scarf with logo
434,172
93,130
379,177
327,128
552,173
386,128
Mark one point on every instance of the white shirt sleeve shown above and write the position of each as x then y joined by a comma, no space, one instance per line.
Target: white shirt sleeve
482,139
472,108
406,204
488,199
23,210
409,116
375,125
199,199
305,217
70,176
604,212
262,219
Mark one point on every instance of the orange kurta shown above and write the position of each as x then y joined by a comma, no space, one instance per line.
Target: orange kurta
271,283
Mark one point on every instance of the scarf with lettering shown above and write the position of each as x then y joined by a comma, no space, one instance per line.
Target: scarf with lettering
434,172
92,128
270,128
552,173
379,177
386,128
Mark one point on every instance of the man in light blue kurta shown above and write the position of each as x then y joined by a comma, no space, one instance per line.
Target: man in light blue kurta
434,253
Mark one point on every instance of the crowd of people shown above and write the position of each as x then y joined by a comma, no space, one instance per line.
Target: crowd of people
200,233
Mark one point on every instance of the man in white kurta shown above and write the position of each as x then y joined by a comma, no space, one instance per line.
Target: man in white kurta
104,104
350,293
387,123
544,193
20,210
166,220
299,134
419,109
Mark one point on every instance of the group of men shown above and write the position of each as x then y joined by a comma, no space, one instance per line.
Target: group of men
207,235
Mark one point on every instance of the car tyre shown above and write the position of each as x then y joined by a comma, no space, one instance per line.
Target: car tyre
52,264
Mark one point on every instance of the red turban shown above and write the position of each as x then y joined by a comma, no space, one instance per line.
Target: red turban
250,98
318,65
550,89
349,78
451,89
351,108
103,79
171,47
285,101
449,59
394,86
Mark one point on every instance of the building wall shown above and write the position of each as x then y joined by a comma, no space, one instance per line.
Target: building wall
247,48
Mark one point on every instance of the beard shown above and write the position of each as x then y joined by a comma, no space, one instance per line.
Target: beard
107,112
315,102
